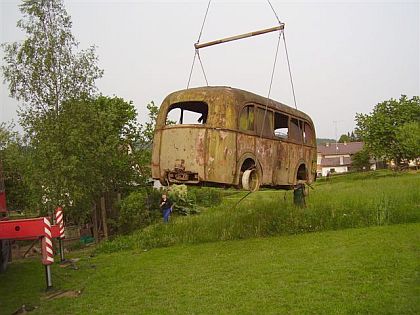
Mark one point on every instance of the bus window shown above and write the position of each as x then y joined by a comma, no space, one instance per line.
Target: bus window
264,122
308,135
296,130
187,113
281,125
246,119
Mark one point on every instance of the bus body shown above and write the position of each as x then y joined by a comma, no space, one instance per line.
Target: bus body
229,137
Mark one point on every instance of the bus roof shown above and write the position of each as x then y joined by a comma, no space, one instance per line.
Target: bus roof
202,93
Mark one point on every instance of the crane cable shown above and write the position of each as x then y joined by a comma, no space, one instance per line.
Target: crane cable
271,83
274,67
287,54
196,53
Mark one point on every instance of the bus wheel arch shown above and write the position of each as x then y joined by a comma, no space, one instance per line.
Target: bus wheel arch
301,173
249,173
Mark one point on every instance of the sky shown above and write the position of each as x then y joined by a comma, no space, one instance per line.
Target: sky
345,56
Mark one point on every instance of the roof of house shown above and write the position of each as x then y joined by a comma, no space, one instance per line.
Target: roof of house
335,161
339,148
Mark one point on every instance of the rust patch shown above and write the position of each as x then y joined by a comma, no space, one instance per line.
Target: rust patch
200,147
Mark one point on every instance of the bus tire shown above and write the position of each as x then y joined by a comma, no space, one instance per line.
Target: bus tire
251,180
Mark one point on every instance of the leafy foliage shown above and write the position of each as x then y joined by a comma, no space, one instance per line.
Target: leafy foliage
361,160
83,152
44,70
144,142
344,138
408,136
138,210
205,196
183,202
349,137
379,129
14,161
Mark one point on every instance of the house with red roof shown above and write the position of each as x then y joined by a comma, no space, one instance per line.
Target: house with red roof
336,157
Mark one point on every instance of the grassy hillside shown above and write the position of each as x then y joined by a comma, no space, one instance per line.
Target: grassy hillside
369,270
253,257
355,200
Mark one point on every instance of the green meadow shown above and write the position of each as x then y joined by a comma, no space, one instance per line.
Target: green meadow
355,249
347,201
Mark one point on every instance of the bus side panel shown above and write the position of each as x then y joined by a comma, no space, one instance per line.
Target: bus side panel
296,154
281,172
156,155
221,156
245,144
310,160
183,145
265,151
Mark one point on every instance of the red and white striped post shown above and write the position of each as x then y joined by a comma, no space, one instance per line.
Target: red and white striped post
47,251
59,220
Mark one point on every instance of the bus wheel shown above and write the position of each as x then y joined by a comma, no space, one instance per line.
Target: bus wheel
251,180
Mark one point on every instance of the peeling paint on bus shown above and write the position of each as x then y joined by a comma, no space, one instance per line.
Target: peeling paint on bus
215,149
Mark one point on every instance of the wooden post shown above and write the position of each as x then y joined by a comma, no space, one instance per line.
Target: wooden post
103,212
95,223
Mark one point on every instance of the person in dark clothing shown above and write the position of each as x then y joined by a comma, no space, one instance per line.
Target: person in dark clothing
166,207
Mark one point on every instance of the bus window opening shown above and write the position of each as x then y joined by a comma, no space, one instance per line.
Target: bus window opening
308,135
281,125
296,130
264,125
246,120
187,113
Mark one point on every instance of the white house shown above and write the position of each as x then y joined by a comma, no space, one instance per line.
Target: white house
336,157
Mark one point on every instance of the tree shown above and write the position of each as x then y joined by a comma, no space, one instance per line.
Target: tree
92,157
408,136
44,70
344,138
379,129
14,161
361,160
144,143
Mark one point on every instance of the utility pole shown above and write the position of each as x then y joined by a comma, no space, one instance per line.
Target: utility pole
335,122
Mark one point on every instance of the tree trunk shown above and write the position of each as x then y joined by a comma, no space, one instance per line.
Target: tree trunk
95,223
103,212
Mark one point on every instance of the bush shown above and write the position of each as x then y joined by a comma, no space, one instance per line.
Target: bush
206,196
184,204
138,210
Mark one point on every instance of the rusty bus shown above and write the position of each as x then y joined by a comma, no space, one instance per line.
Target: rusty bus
224,136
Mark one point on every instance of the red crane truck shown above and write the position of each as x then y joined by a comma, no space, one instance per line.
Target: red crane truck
29,229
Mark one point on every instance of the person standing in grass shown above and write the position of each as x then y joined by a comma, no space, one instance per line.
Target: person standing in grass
166,207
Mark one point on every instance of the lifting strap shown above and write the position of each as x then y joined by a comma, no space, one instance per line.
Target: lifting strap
279,28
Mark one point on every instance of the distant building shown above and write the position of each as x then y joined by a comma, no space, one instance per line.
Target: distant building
337,157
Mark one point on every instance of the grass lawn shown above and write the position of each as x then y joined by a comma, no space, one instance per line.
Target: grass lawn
353,271
348,201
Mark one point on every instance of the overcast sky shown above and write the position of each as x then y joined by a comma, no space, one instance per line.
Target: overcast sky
346,56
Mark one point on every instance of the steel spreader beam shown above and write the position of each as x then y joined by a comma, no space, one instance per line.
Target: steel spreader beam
232,38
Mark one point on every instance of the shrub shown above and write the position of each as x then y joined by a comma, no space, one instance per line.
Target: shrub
137,210
206,196
184,204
